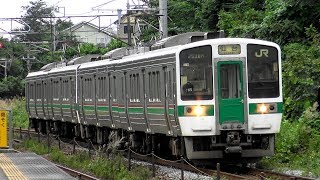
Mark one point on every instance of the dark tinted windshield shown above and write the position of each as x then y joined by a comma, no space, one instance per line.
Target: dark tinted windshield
263,71
196,73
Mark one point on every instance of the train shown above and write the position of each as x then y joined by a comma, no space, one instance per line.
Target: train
198,95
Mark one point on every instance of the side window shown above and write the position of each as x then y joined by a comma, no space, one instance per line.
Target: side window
154,86
38,94
56,90
113,87
31,92
65,90
134,83
101,88
169,83
88,89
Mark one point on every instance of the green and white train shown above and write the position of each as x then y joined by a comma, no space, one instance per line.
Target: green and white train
213,99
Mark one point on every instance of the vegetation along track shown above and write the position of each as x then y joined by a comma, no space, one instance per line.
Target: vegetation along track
245,173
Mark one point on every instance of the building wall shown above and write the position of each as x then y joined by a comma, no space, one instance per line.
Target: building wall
123,30
91,35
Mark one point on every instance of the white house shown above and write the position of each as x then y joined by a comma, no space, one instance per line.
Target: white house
89,33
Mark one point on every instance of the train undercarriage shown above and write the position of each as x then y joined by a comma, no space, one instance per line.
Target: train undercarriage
229,147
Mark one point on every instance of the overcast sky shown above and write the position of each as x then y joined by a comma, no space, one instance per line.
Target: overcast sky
12,9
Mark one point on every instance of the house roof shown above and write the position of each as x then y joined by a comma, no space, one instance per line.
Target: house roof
84,23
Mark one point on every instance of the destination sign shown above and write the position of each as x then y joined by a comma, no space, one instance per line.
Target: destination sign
228,49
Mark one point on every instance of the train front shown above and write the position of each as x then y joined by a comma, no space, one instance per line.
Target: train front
229,99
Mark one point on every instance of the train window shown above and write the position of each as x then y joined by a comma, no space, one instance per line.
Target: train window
154,86
230,81
169,85
196,73
56,90
114,89
263,71
38,95
101,86
134,88
31,91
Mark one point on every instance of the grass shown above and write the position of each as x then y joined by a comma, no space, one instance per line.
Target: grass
19,113
297,146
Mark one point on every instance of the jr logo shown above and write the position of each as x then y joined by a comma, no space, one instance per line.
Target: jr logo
263,52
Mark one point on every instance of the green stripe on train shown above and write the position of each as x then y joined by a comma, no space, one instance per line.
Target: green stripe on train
209,110
156,111
150,110
138,110
253,108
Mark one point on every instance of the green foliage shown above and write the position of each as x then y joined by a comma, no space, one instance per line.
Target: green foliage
114,44
301,69
281,21
312,119
35,146
11,86
241,22
32,17
19,113
297,145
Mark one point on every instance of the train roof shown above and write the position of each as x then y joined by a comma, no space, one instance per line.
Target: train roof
95,64
64,68
37,73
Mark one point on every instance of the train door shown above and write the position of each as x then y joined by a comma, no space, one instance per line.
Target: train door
103,113
155,93
170,100
88,104
44,99
122,100
113,100
135,101
51,93
32,99
72,98
230,92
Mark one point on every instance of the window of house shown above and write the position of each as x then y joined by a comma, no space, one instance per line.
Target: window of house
125,30
83,39
101,40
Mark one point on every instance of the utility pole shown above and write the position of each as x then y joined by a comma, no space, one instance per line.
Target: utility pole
28,59
163,7
4,64
129,24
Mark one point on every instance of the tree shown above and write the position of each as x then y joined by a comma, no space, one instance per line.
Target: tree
36,17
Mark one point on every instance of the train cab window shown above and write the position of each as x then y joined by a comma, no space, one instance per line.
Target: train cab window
196,73
263,71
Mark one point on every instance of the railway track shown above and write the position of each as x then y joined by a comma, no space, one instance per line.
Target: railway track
247,173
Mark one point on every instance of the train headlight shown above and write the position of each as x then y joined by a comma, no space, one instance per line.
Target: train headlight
195,110
266,108
262,108
199,110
